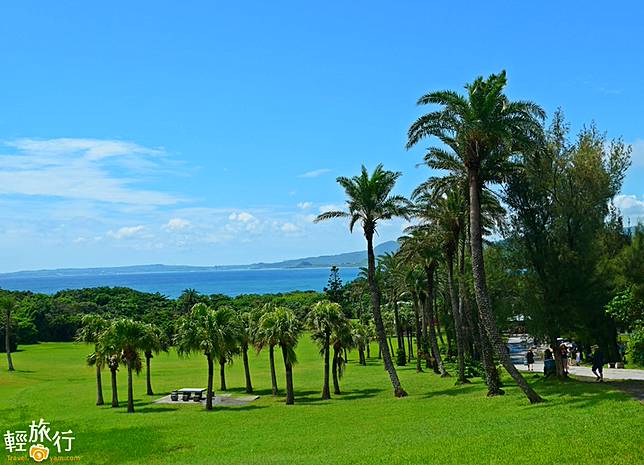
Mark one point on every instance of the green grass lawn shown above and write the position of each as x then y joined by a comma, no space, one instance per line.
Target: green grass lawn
581,423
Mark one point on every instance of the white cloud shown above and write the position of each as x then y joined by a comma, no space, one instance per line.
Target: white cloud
304,205
314,173
289,228
176,224
125,232
631,207
330,207
81,169
244,217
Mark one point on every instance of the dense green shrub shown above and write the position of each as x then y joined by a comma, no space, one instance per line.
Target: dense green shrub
636,346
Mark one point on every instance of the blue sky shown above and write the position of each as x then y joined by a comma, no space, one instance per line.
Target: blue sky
212,132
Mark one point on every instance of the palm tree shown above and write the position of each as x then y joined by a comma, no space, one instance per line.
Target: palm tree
444,213
421,247
341,340
284,328
210,332
369,201
229,337
247,332
8,305
92,326
127,337
392,284
323,318
361,337
485,130
265,337
156,341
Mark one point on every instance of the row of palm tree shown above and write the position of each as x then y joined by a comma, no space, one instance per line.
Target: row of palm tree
121,342
481,133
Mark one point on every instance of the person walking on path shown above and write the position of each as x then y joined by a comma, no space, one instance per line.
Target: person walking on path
563,350
529,360
598,363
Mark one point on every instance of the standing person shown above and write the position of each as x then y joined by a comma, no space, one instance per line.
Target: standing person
564,357
529,359
578,357
598,363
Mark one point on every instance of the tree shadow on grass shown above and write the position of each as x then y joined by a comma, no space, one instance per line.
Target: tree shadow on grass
314,397
156,409
454,391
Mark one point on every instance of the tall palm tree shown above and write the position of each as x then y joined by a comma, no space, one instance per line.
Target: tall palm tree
128,337
323,318
392,284
92,326
283,326
266,337
369,201
421,247
156,341
485,130
444,213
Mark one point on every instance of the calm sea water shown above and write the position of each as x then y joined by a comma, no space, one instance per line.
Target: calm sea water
229,282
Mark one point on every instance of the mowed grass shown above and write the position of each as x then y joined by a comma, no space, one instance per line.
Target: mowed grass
439,423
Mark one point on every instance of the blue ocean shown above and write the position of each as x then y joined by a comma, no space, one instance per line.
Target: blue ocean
171,284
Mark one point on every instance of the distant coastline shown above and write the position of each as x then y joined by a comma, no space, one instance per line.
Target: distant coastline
344,260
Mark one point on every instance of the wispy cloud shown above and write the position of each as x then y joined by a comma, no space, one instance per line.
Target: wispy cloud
85,169
314,173
125,232
176,224
304,205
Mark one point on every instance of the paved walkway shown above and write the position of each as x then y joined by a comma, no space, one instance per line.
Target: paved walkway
518,346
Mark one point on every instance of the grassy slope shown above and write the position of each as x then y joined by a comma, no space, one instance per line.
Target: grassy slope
438,423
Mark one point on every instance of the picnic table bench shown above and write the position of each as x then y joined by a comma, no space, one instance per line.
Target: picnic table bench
187,393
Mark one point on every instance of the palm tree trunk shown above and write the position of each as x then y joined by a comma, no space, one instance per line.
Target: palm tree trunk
271,358
458,324
480,288
391,345
429,311
288,369
491,373
7,339
148,382
249,385
130,393
368,350
222,374
99,386
399,336
419,346
326,393
361,358
377,316
336,383
115,394
211,373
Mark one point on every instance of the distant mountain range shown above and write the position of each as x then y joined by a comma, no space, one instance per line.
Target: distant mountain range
343,260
